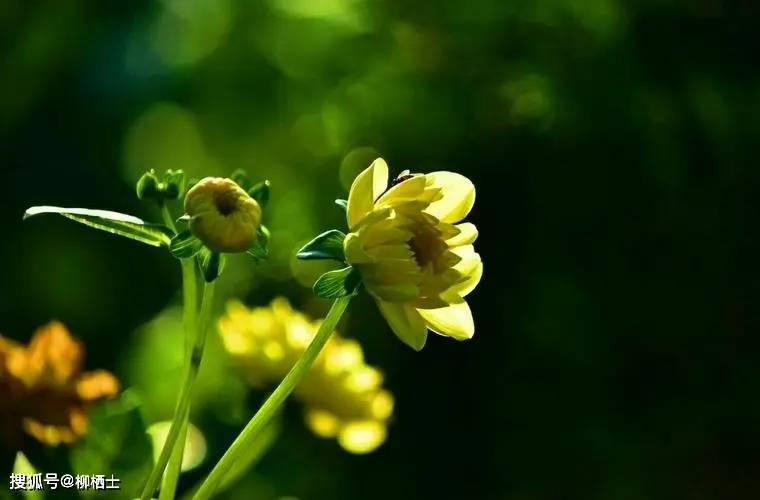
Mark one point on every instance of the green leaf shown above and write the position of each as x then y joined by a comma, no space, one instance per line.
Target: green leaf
112,222
22,465
260,193
328,245
240,177
338,283
342,203
185,245
116,443
260,248
212,264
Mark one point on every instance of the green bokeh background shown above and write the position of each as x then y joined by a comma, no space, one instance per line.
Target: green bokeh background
614,147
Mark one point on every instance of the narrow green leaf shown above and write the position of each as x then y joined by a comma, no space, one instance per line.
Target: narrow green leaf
260,193
342,203
185,245
338,283
328,245
124,225
212,264
260,248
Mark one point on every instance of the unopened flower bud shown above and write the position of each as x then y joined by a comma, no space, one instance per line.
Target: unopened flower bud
169,187
147,186
222,215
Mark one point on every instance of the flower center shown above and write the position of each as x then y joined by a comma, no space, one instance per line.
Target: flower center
426,244
225,201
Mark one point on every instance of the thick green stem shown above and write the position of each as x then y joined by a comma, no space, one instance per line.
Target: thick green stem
270,407
183,405
190,310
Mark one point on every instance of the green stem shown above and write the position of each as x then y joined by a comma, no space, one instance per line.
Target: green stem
272,404
183,405
167,216
258,449
190,299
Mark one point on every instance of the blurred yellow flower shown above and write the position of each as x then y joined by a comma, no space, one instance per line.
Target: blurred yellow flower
43,389
415,256
343,396
222,215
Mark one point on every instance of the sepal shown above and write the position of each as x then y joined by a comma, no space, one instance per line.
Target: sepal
185,245
212,264
260,248
328,245
338,283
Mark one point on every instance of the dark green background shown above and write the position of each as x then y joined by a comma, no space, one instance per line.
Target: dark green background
614,147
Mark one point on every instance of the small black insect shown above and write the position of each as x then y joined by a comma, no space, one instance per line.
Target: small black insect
403,176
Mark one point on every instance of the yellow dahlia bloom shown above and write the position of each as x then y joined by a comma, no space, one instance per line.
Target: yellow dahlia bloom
342,395
222,215
43,390
415,256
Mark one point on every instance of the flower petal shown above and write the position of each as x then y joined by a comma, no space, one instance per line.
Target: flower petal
366,188
454,321
409,189
458,196
471,266
354,250
362,437
405,322
468,233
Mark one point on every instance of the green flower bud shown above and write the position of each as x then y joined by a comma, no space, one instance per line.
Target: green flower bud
222,215
169,187
147,186
174,184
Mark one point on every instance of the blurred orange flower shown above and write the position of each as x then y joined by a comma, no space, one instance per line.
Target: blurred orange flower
43,390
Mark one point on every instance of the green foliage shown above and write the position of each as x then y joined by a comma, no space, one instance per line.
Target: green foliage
212,264
185,245
342,204
260,248
116,223
170,186
240,177
338,283
328,245
116,443
22,465
260,193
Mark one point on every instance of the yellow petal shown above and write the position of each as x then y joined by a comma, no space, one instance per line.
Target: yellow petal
322,423
405,322
400,292
458,196
406,190
354,250
366,188
471,267
362,437
468,233
454,321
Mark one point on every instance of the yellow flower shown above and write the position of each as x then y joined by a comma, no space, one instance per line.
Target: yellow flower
343,396
222,215
43,389
415,256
